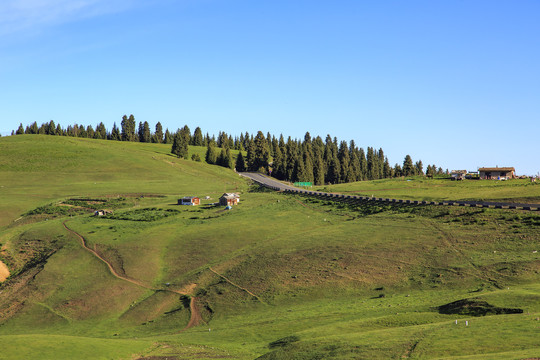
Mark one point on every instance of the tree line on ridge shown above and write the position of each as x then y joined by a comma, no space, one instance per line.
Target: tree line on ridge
307,160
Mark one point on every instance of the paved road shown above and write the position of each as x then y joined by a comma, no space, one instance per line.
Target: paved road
279,186
268,181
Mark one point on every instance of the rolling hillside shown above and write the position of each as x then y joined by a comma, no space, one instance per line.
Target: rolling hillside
278,277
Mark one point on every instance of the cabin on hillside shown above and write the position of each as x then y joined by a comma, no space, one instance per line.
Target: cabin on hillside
102,212
497,173
229,199
189,200
458,174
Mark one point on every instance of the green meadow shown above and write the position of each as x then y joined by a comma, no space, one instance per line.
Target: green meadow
279,276
439,189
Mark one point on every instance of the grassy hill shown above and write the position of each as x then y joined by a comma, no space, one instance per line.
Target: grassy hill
36,169
278,277
420,188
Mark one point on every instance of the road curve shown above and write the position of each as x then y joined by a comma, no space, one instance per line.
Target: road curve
274,184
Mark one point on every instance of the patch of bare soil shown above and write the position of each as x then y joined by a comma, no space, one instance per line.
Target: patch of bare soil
14,293
4,272
188,289
196,318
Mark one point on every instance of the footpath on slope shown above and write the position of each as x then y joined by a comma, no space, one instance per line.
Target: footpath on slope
195,319
279,186
235,285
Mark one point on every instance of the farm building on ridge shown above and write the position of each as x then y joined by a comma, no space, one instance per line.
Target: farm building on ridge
497,173
229,199
189,200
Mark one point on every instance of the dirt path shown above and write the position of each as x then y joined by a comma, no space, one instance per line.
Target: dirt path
4,272
195,319
236,285
109,265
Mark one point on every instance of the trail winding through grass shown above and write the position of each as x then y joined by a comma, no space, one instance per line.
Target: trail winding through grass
195,318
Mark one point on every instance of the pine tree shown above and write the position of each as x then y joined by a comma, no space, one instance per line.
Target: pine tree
128,128
344,160
33,128
299,173
210,156
90,132
42,130
372,164
290,159
398,171
278,166
387,169
380,161
101,131
115,133
363,164
419,168
168,137
269,142
250,157
354,170
221,159
180,145
197,139
240,163
261,153
308,167
408,166
51,128
430,171
275,145
333,171
228,160
82,132
186,133
144,132
318,170
158,135
222,139
20,130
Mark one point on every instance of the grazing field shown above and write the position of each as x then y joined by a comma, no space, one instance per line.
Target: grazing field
279,276
35,170
420,188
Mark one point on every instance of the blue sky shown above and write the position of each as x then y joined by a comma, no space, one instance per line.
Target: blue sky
455,83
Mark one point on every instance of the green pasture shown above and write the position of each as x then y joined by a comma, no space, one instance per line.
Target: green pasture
322,280
437,189
38,169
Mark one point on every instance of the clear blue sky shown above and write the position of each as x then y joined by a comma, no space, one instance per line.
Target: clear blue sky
455,83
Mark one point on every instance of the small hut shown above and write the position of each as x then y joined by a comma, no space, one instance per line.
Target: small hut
229,199
189,200
102,212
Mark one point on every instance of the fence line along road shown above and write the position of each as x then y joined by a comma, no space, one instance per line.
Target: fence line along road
279,186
